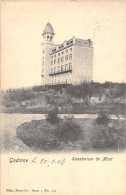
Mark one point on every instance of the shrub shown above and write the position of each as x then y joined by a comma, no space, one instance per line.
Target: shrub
104,138
68,131
103,118
52,116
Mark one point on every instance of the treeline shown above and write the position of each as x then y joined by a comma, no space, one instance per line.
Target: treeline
33,88
78,90
97,89
85,90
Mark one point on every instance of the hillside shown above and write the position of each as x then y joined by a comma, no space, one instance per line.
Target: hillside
87,98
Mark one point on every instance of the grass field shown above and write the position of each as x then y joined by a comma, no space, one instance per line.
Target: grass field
94,137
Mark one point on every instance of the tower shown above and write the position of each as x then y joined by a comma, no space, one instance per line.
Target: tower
47,45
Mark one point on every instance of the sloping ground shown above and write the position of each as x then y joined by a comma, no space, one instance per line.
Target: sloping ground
68,101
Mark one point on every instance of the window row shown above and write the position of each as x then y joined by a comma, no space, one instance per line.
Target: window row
61,81
62,68
59,75
61,53
67,57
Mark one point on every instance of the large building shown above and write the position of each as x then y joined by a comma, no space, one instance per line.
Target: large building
69,62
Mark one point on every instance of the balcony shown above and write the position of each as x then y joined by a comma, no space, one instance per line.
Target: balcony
60,72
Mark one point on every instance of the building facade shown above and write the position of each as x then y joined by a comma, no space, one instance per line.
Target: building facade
68,63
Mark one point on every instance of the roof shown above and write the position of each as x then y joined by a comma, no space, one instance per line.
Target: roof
48,29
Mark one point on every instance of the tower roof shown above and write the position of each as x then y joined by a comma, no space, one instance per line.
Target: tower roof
48,29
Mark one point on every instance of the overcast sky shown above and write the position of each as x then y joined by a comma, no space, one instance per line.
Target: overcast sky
23,22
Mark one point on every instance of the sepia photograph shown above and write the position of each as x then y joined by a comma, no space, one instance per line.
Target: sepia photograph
63,94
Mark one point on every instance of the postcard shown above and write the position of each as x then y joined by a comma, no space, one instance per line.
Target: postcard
63,97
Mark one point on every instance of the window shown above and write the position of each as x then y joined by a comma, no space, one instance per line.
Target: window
54,61
62,68
55,70
70,66
58,68
58,54
47,37
62,52
62,59
67,51
61,46
52,81
58,60
43,63
51,70
51,56
43,51
53,50
66,58
54,55
43,58
71,49
70,56
66,67
50,38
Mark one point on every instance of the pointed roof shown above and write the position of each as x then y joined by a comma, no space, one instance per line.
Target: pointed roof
48,29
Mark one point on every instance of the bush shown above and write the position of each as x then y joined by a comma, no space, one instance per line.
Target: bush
104,138
52,116
68,131
103,118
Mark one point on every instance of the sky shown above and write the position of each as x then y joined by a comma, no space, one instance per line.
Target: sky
22,24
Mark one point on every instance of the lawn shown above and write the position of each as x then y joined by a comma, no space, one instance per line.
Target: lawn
79,134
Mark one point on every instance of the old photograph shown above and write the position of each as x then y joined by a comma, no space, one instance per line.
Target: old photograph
63,83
